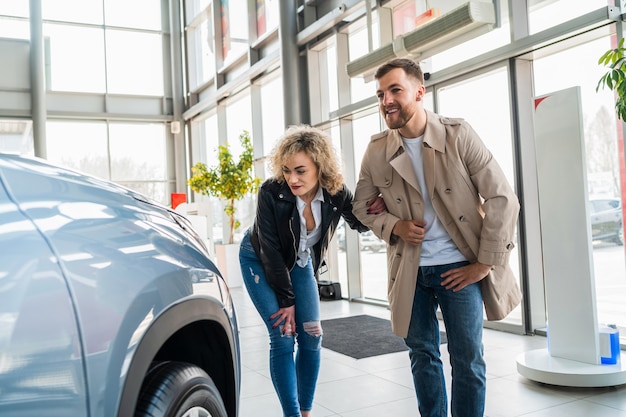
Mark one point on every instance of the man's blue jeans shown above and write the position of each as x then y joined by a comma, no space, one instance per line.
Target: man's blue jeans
294,381
463,318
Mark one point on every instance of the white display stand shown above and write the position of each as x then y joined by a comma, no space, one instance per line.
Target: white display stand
573,356
539,365
228,263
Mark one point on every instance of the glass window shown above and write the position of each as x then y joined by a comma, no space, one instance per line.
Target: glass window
138,158
273,117
16,136
234,28
17,8
492,121
361,88
331,70
202,60
76,58
140,14
137,151
543,14
82,11
238,119
373,253
134,63
79,145
603,148
195,7
266,16
204,147
211,140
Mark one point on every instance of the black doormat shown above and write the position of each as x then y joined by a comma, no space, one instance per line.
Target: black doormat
362,336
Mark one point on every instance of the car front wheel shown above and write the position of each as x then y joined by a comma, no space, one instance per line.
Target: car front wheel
177,389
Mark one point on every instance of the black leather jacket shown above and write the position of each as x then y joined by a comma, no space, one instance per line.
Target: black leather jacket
276,232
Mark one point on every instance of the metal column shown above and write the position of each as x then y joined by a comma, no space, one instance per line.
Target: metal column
292,91
37,83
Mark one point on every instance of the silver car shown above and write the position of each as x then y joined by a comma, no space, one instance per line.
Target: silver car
109,303
606,220
369,242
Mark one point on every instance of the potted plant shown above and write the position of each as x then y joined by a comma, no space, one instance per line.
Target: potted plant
615,78
231,181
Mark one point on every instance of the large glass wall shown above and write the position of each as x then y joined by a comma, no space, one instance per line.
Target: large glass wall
108,78
373,252
105,90
491,119
238,119
224,39
487,98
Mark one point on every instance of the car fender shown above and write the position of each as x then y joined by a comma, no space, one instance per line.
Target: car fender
171,320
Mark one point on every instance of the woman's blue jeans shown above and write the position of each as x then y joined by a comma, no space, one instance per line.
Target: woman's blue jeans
294,381
463,318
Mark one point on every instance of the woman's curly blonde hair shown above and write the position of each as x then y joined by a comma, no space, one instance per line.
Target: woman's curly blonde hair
317,145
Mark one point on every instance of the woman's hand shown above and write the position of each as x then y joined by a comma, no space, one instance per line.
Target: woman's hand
287,317
376,206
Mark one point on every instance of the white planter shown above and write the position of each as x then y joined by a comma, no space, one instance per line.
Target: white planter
228,263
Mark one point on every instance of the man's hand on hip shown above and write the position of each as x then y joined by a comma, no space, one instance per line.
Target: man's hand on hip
458,278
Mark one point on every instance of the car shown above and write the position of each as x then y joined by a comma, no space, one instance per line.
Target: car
369,242
607,220
110,305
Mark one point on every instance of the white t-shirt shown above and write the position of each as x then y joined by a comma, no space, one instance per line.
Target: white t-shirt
308,239
437,247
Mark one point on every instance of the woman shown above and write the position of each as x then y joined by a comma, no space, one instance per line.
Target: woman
297,214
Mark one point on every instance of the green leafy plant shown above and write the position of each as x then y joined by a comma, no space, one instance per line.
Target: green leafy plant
615,78
229,180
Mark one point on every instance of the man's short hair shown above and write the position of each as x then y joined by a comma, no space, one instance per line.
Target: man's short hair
409,66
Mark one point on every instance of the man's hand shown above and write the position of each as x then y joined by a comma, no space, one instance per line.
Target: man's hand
458,278
411,231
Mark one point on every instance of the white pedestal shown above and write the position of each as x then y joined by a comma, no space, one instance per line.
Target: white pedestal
538,365
228,263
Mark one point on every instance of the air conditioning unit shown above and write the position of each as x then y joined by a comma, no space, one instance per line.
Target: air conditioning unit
457,26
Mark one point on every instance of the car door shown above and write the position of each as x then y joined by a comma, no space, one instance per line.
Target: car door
41,366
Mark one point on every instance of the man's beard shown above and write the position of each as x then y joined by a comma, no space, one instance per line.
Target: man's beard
398,120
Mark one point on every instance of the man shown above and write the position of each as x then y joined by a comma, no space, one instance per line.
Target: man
449,231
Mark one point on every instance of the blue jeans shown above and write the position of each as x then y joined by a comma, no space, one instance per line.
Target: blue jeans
294,381
463,318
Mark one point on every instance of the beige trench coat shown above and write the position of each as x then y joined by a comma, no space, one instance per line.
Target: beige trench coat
470,195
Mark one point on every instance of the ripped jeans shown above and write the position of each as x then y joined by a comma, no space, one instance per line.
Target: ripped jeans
294,381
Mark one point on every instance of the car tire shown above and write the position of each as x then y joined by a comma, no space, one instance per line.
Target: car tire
178,389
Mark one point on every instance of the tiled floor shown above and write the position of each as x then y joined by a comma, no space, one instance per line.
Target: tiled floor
381,386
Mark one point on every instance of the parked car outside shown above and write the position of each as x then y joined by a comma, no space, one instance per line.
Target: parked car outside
369,242
607,220
109,303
